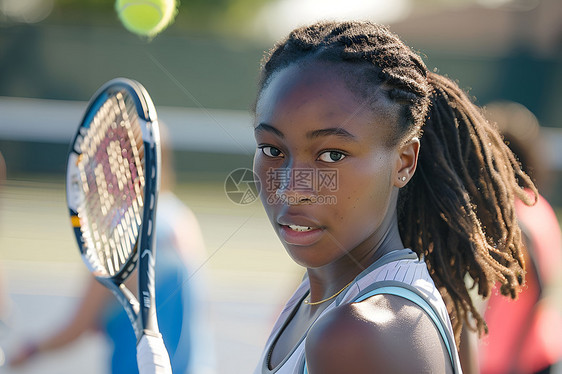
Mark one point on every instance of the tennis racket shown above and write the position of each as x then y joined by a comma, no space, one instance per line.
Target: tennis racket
112,184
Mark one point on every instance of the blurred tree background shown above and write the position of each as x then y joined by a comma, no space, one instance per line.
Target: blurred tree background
197,17
214,46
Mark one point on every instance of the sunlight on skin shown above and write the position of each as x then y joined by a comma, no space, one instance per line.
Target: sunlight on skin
383,316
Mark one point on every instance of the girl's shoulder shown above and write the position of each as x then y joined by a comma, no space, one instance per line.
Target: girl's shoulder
383,333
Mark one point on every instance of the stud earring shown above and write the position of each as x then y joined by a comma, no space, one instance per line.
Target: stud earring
403,179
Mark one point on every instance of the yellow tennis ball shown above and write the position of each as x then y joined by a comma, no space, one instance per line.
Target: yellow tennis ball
146,17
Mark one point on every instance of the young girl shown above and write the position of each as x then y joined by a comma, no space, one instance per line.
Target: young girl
386,183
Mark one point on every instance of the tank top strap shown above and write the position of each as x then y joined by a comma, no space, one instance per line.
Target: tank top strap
408,292
397,255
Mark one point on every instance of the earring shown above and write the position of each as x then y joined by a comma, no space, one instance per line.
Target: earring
403,179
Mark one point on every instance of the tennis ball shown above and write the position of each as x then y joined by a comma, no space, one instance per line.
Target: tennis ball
146,17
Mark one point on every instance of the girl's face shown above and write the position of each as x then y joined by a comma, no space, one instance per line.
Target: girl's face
329,179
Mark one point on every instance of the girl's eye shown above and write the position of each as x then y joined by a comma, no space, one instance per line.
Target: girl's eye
271,151
331,156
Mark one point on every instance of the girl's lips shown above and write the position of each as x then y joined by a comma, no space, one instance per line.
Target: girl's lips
300,235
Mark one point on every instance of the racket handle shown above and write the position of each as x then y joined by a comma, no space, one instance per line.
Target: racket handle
152,356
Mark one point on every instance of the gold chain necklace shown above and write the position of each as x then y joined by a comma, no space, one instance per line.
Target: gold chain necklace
308,302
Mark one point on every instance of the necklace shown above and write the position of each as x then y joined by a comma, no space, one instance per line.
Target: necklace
308,302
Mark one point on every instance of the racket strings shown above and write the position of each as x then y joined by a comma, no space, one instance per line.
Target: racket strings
112,178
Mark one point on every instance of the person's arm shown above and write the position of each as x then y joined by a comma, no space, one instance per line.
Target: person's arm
383,334
84,319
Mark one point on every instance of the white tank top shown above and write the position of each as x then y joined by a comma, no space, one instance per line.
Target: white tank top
400,268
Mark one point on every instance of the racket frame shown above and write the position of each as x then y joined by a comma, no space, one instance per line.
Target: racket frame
142,310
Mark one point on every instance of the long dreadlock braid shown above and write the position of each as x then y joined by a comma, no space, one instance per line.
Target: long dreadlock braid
463,219
458,209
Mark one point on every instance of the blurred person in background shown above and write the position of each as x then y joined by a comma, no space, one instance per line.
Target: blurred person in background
2,291
179,296
524,334
3,300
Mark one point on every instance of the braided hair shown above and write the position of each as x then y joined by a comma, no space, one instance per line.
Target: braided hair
458,208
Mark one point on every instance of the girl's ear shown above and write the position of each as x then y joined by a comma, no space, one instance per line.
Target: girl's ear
406,162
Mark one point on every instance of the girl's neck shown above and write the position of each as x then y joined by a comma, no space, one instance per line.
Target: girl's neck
329,279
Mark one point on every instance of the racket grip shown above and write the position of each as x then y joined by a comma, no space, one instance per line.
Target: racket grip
152,356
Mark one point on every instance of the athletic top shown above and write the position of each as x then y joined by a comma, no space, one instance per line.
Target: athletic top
399,273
